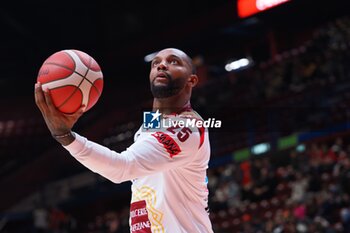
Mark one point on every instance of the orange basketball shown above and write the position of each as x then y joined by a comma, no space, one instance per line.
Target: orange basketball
74,79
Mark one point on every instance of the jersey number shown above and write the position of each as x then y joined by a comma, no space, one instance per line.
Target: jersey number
182,134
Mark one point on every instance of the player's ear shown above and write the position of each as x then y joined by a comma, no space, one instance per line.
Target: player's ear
193,80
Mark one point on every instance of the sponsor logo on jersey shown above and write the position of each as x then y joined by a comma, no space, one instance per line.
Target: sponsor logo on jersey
169,144
139,218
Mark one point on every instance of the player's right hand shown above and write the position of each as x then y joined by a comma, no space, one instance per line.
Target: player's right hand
57,122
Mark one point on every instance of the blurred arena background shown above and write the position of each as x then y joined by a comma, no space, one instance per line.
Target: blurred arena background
279,80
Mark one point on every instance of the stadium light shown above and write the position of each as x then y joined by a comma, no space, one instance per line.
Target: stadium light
236,65
247,8
150,56
300,148
260,148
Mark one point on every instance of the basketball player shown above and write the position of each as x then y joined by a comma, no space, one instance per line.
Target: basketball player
167,167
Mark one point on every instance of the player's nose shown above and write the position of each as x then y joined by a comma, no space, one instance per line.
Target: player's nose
162,66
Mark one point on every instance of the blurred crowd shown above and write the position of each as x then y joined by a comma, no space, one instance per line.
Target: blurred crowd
306,191
55,220
322,60
52,219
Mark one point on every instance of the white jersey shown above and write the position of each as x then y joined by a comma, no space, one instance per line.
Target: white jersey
168,174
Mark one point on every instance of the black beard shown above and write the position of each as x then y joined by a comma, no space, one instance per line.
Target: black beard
172,88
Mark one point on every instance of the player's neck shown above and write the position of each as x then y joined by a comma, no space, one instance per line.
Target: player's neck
170,105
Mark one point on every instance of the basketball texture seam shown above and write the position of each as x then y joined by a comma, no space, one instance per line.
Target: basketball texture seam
87,71
77,88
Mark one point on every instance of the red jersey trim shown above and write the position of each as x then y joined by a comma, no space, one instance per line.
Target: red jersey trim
201,134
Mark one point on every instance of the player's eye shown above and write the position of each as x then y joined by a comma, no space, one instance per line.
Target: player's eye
174,62
154,63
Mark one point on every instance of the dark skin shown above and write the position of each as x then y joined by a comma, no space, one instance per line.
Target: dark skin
169,65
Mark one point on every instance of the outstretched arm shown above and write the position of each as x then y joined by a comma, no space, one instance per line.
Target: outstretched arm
153,153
